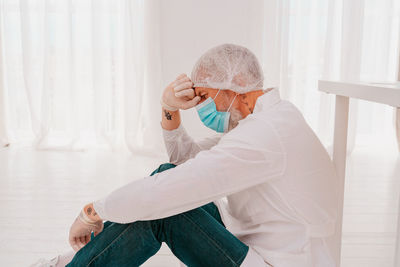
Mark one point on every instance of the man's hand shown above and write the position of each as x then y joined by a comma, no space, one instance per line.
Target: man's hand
87,222
179,94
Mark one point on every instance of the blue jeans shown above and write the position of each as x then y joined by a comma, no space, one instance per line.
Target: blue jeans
196,237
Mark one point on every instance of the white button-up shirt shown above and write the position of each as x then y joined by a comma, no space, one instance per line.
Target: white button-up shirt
271,178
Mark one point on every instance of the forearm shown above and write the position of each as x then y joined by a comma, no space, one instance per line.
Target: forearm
191,185
180,146
170,119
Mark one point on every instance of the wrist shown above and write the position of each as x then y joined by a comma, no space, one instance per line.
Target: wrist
166,106
89,214
170,119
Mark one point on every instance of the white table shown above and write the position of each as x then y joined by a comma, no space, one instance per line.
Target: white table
385,93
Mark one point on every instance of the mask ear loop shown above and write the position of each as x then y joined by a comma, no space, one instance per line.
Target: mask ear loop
232,102
216,94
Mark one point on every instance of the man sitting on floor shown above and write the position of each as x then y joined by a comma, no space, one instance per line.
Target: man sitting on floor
278,180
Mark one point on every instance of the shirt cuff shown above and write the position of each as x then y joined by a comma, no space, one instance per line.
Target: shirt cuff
99,207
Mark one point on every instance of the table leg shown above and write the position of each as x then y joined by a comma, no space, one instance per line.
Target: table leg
339,160
352,126
397,251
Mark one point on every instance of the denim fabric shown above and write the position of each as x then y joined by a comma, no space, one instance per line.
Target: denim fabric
196,237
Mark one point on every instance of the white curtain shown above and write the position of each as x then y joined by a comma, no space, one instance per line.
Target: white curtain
85,73
75,72
3,130
305,41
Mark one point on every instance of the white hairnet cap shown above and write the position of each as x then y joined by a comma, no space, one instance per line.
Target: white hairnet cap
228,66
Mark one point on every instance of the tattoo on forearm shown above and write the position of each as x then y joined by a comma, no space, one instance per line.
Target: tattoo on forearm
89,211
167,115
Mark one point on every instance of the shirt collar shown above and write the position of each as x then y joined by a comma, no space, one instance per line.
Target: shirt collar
267,100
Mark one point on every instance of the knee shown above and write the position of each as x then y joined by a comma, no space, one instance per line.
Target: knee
163,167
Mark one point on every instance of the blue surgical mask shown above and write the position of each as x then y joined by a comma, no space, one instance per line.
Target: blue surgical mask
211,117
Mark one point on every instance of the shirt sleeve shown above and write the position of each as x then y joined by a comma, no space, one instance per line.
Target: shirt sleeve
180,146
234,164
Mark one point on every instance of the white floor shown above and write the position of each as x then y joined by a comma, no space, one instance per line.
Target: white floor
41,193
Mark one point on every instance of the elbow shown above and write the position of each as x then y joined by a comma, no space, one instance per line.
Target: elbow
176,158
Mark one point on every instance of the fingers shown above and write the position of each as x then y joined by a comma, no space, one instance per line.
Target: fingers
74,244
73,241
180,77
180,93
187,92
183,87
182,84
80,233
191,103
81,242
